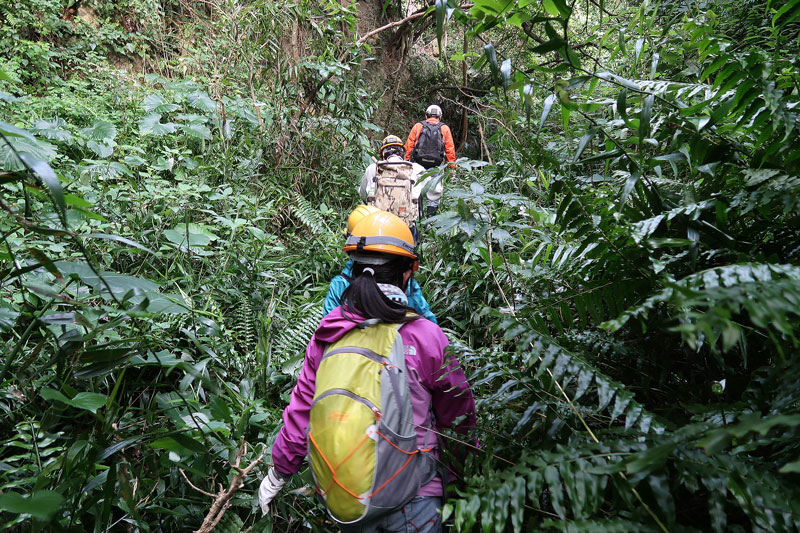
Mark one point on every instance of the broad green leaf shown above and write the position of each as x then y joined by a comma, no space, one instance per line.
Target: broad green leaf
117,446
41,504
155,103
88,401
550,7
102,150
549,46
791,468
52,394
151,124
8,315
553,479
650,459
788,6
201,131
101,131
200,100
619,79
134,160
8,76
35,148
637,51
119,283
9,130
55,130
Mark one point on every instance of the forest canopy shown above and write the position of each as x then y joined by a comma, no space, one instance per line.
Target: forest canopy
616,260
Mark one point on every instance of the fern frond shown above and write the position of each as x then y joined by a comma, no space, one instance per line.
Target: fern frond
296,332
708,300
309,216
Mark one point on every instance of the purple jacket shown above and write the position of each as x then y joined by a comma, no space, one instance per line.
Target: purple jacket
438,387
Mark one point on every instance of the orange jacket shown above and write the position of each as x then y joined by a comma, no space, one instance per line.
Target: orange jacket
447,137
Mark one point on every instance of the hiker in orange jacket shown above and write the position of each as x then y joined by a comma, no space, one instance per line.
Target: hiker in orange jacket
434,117
430,143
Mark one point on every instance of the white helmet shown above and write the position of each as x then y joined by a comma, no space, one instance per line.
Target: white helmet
433,111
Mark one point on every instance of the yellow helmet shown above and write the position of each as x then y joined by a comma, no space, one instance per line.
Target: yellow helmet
382,232
390,140
358,215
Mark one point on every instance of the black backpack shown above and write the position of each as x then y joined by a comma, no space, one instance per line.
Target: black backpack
429,150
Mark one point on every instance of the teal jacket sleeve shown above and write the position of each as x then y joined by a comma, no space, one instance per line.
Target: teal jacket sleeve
336,289
417,301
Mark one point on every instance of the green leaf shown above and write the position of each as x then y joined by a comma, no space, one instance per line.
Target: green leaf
200,100
43,171
788,6
101,130
548,105
505,71
491,57
88,401
9,130
644,118
553,479
556,8
8,315
791,468
155,103
588,136
9,159
41,504
102,150
620,80
52,394
650,459
54,130
549,46
117,238
201,131
441,9
152,124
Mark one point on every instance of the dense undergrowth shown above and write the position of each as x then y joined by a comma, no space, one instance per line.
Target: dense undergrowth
616,264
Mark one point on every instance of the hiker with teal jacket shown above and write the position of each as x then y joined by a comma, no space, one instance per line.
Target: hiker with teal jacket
338,284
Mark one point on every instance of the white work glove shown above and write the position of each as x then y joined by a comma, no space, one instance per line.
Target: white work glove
270,486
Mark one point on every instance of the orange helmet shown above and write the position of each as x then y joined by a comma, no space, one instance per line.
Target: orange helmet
358,215
381,232
390,140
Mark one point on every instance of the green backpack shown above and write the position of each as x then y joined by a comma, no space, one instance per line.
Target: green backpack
362,443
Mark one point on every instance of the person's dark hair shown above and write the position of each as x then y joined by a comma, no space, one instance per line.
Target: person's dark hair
365,298
393,150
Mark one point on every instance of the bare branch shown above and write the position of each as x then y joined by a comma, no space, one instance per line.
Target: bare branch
222,500
201,491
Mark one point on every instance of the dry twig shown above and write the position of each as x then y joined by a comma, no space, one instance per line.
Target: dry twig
222,499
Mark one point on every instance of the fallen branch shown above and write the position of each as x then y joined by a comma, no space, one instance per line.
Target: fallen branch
222,499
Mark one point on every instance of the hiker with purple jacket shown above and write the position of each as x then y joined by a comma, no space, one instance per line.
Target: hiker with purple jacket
385,259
